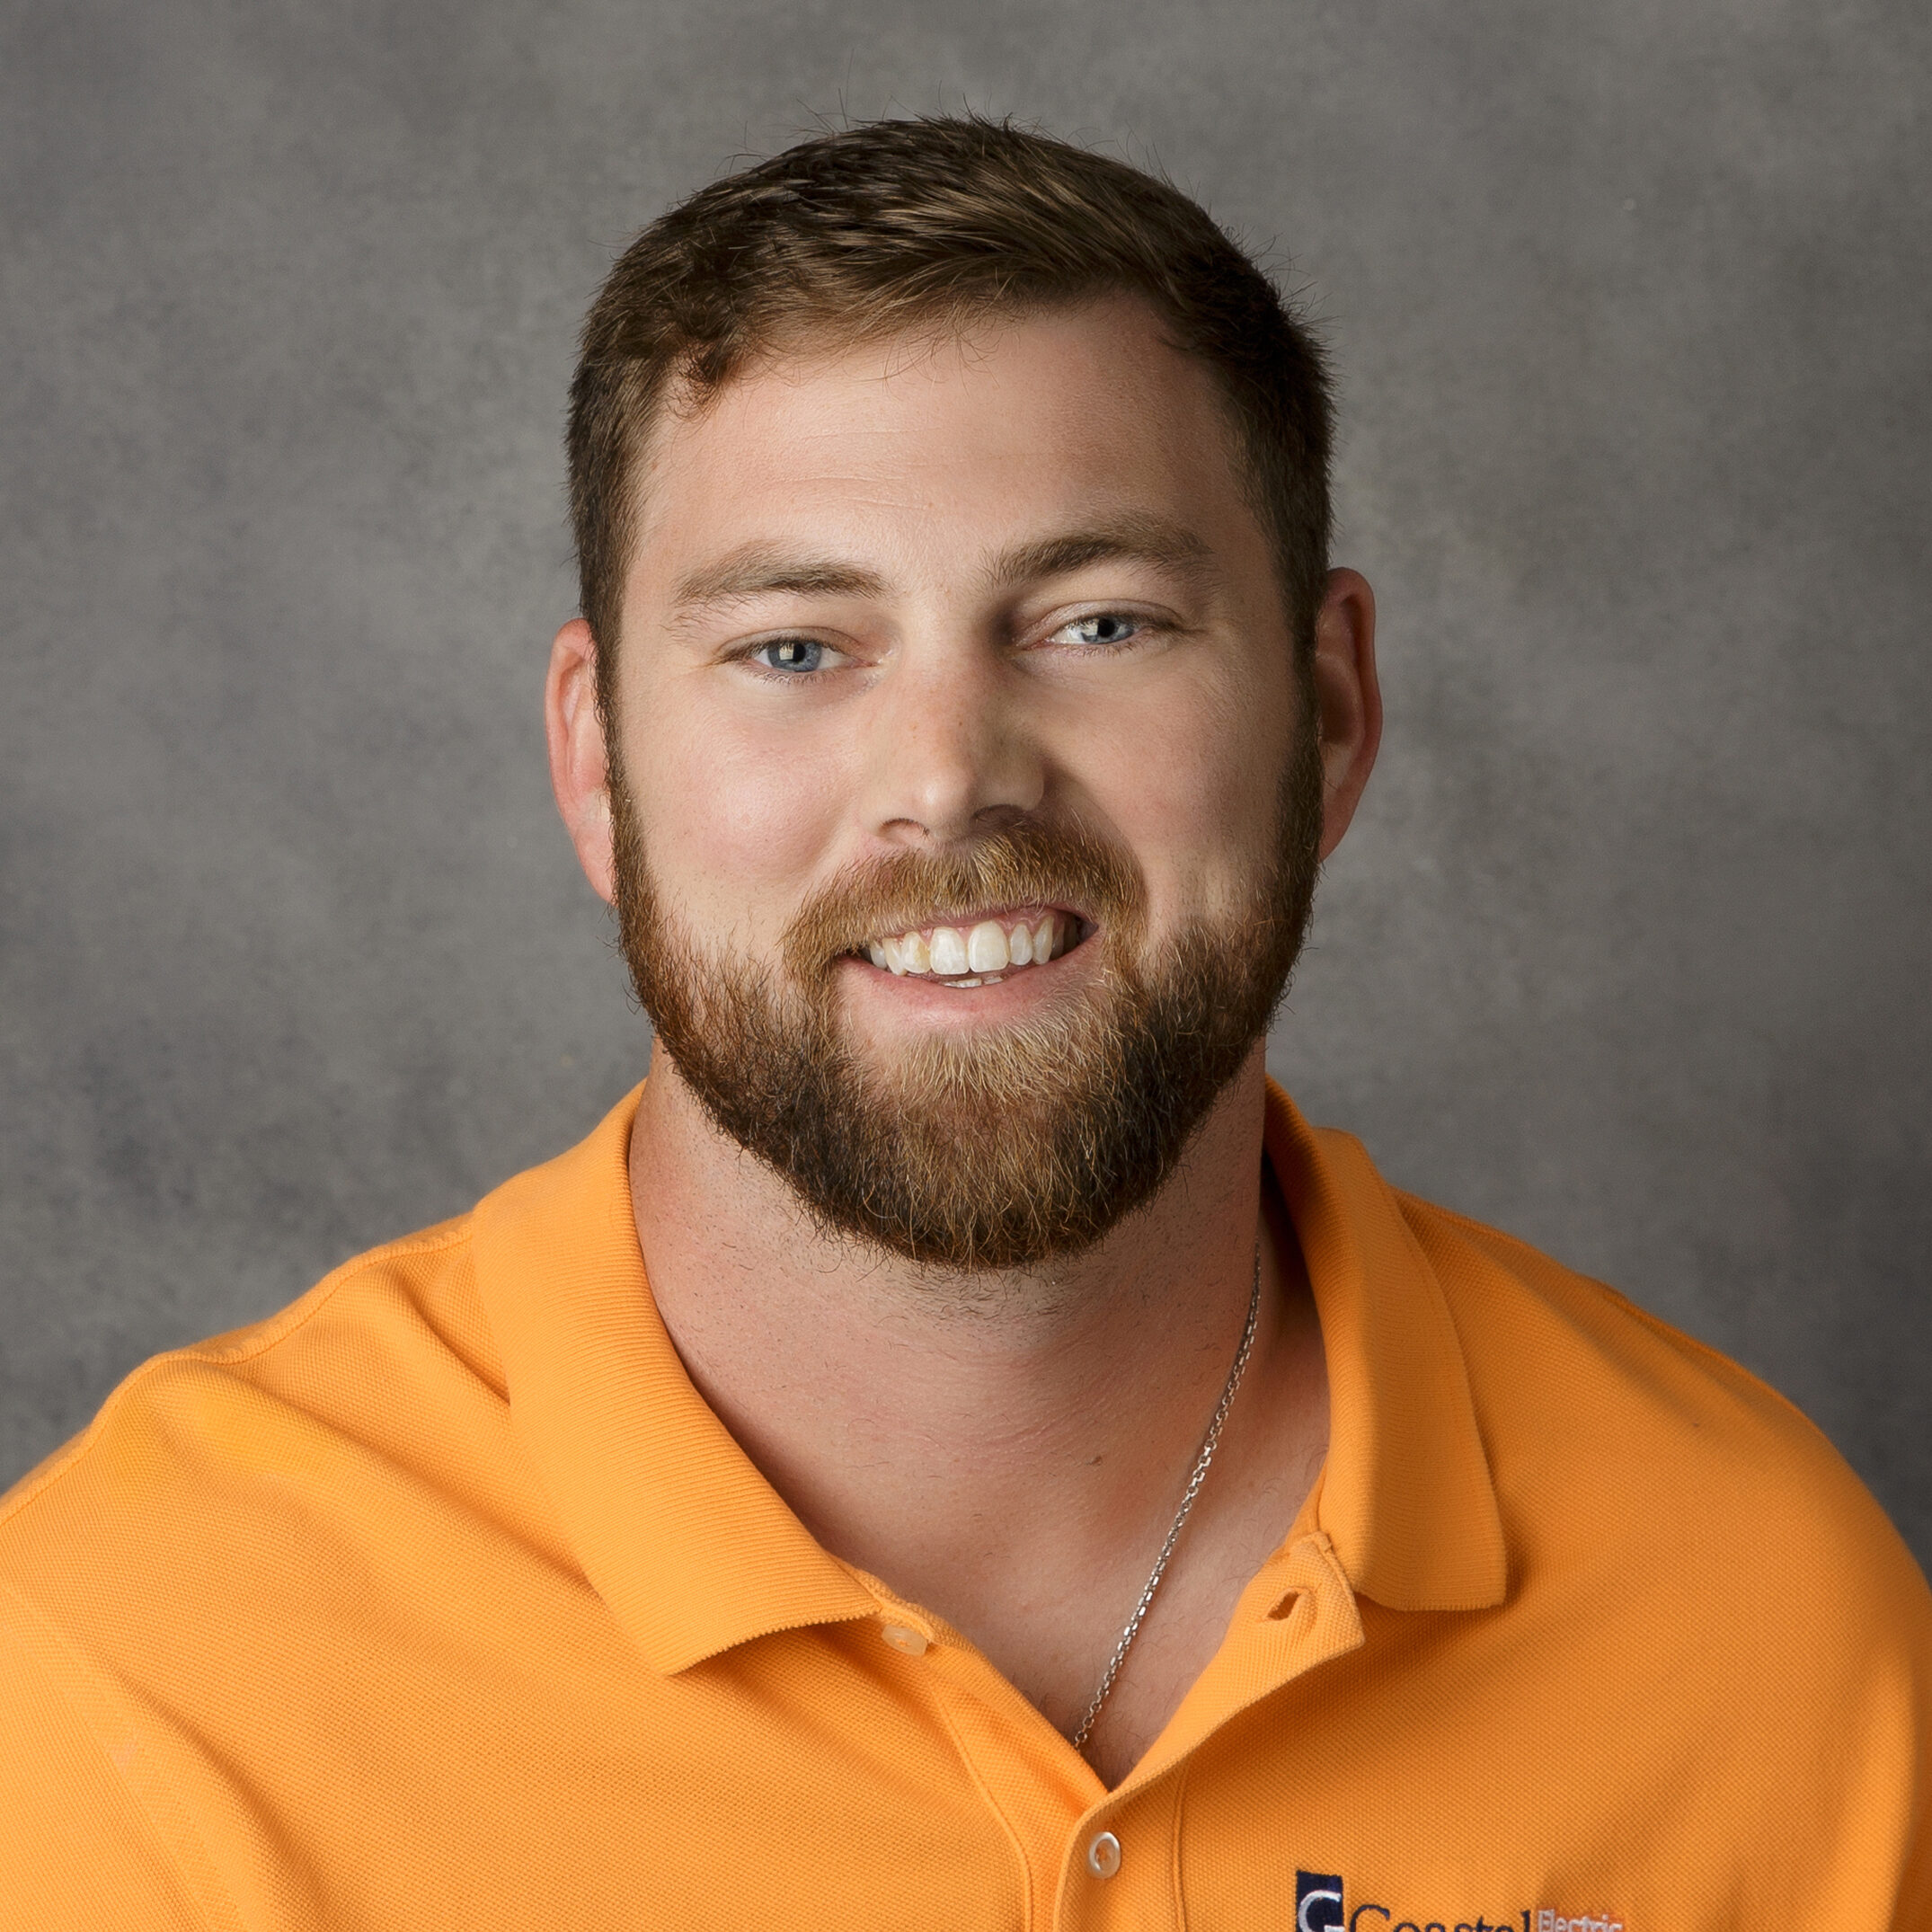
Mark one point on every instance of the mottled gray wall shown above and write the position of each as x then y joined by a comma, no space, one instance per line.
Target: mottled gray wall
1629,950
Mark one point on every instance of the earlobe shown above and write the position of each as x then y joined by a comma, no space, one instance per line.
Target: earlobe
579,766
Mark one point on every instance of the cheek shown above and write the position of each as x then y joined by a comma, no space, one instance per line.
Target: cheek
734,817
1193,789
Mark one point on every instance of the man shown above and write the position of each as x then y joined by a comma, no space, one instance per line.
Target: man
955,1450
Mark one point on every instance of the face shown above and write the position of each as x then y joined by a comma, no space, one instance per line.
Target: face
965,805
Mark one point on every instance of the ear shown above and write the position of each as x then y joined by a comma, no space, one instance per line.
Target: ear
580,767
1348,699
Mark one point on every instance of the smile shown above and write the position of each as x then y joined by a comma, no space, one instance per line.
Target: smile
980,954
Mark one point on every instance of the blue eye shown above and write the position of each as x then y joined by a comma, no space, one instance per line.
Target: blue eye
1103,628
790,654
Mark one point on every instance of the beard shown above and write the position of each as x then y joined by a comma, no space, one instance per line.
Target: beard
1013,1145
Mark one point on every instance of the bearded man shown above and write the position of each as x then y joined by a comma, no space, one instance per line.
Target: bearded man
956,1448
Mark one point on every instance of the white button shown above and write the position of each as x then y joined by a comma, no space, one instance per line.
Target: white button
906,1641
1104,1856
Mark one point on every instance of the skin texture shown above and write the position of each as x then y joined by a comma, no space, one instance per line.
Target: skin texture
1004,1448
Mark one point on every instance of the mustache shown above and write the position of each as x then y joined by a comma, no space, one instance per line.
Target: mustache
1024,864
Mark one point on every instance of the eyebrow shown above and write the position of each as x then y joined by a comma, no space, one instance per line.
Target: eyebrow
1136,537
760,569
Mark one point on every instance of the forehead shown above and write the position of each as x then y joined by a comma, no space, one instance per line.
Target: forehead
947,443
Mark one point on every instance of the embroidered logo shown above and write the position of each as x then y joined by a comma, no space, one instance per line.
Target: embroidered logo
1317,1902
1319,1908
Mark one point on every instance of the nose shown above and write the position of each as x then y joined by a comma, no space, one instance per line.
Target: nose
949,751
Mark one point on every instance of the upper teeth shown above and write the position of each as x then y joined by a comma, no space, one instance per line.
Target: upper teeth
988,947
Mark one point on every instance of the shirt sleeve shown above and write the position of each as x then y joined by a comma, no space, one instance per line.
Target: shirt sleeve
1914,1906
79,1850
1881,1753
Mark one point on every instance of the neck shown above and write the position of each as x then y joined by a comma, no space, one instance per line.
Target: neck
998,1447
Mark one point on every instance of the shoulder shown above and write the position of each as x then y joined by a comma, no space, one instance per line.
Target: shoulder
1706,1625
1611,1431
169,1567
1689,1544
266,1444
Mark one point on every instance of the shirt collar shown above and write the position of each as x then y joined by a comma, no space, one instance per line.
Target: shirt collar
694,1551
690,1546
1406,1499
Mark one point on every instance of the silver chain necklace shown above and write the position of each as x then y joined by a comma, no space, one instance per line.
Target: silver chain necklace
1208,1446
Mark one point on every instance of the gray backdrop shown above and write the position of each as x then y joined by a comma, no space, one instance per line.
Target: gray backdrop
1628,951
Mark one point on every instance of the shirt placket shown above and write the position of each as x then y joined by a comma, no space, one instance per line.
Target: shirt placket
1299,1613
1094,1860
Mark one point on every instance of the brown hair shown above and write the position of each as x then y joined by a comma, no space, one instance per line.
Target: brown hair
933,224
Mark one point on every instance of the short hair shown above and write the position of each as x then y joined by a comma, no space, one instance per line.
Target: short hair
934,224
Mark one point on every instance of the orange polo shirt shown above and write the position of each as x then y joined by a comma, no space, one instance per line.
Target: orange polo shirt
442,1600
